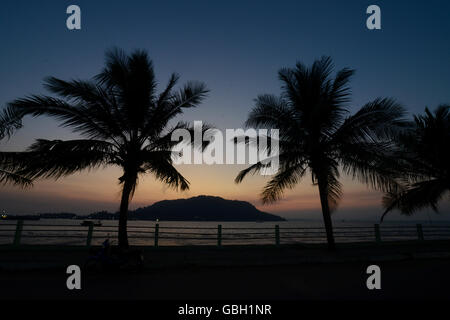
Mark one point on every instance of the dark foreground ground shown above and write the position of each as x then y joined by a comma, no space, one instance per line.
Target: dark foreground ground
400,280
408,271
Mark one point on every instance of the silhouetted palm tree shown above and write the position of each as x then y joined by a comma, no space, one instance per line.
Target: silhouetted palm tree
123,122
425,156
316,134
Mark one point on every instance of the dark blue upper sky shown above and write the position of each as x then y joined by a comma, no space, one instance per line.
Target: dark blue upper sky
236,47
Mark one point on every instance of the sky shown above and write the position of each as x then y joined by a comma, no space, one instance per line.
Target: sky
236,48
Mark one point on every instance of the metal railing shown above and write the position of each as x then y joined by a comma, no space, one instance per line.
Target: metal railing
276,235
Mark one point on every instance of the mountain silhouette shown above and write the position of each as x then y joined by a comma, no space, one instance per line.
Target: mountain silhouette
202,208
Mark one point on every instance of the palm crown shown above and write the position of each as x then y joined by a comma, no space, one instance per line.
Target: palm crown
424,152
122,122
317,134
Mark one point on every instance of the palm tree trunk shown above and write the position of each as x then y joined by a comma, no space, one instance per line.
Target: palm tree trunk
326,213
123,215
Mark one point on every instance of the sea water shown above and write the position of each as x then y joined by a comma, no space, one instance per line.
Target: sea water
178,233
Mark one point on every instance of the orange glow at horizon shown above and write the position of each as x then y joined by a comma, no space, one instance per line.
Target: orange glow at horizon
97,190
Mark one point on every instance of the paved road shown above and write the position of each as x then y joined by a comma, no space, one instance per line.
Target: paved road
415,279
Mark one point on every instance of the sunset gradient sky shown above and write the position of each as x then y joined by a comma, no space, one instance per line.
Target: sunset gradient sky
236,48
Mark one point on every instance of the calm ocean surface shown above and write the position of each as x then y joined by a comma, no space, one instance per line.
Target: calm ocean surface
70,232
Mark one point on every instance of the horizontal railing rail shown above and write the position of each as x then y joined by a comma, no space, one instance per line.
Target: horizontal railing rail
21,231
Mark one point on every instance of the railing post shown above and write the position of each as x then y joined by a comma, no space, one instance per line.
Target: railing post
377,233
277,235
420,232
18,234
156,234
89,235
219,235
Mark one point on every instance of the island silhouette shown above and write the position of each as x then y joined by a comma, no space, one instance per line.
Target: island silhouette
202,208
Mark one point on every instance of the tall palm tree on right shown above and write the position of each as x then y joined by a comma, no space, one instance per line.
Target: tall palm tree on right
425,155
317,134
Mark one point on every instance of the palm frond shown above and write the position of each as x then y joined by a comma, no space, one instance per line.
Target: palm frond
56,158
80,118
424,153
253,169
164,140
418,196
167,93
10,121
340,90
160,164
96,101
287,177
190,96
115,72
7,177
270,111
290,84
372,163
380,119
